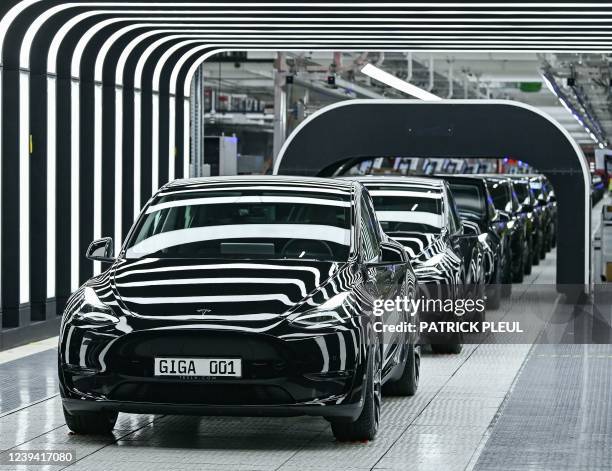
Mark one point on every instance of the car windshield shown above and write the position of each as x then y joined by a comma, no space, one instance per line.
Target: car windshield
245,224
502,199
407,209
469,199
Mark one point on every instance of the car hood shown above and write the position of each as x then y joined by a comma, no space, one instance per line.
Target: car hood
219,290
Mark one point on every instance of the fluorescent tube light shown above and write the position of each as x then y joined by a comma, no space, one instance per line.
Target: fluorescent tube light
399,84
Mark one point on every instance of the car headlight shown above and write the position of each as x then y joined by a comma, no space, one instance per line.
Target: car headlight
325,315
93,312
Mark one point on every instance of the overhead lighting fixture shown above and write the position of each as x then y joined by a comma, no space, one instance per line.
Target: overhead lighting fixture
399,84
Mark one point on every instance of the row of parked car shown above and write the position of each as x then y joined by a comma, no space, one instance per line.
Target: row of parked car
259,296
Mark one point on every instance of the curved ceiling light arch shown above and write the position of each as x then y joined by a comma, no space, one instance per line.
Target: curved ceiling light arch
15,11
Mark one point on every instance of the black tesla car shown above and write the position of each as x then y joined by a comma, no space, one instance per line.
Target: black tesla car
447,257
533,216
243,296
506,203
475,206
546,204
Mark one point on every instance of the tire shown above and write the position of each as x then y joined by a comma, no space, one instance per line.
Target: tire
91,423
452,347
408,383
494,290
494,295
366,425
536,254
517,276
529,259
447,348
507,276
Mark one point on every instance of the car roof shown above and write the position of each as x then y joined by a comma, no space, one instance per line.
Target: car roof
278,181
452,176
432,183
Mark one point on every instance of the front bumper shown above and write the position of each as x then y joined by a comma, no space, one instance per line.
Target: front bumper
346,411
315,374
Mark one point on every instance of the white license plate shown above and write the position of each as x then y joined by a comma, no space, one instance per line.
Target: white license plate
231,367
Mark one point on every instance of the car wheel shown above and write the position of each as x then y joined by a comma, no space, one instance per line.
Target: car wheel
494,294
453,345
408,383
494,290
507,278
91,423
518,275
447,348
366,425
529,259
536,253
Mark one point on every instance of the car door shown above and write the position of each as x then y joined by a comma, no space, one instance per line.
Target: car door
382,281
461,247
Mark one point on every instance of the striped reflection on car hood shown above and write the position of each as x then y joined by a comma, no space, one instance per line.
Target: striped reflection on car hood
219,290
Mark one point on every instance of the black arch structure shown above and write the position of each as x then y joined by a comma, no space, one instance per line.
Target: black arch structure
456,128
24,284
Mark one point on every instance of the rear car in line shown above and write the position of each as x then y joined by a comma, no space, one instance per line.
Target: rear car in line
447,256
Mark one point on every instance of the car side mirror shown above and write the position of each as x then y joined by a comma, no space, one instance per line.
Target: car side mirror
101,250
469,229
390,254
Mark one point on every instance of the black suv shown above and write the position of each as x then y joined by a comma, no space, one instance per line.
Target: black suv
507,205
475,206
532,214
547,202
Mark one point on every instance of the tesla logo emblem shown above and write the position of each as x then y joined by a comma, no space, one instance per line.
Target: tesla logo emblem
203,311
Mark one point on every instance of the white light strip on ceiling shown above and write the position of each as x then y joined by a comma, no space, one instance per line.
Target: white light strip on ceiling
171,138
118,167
186,126
137,149
399,84
75,176
24,189
51,185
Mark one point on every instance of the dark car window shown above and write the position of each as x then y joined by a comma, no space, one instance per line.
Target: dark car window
407,209
500,192
369,239
469,199
523,193
248,223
